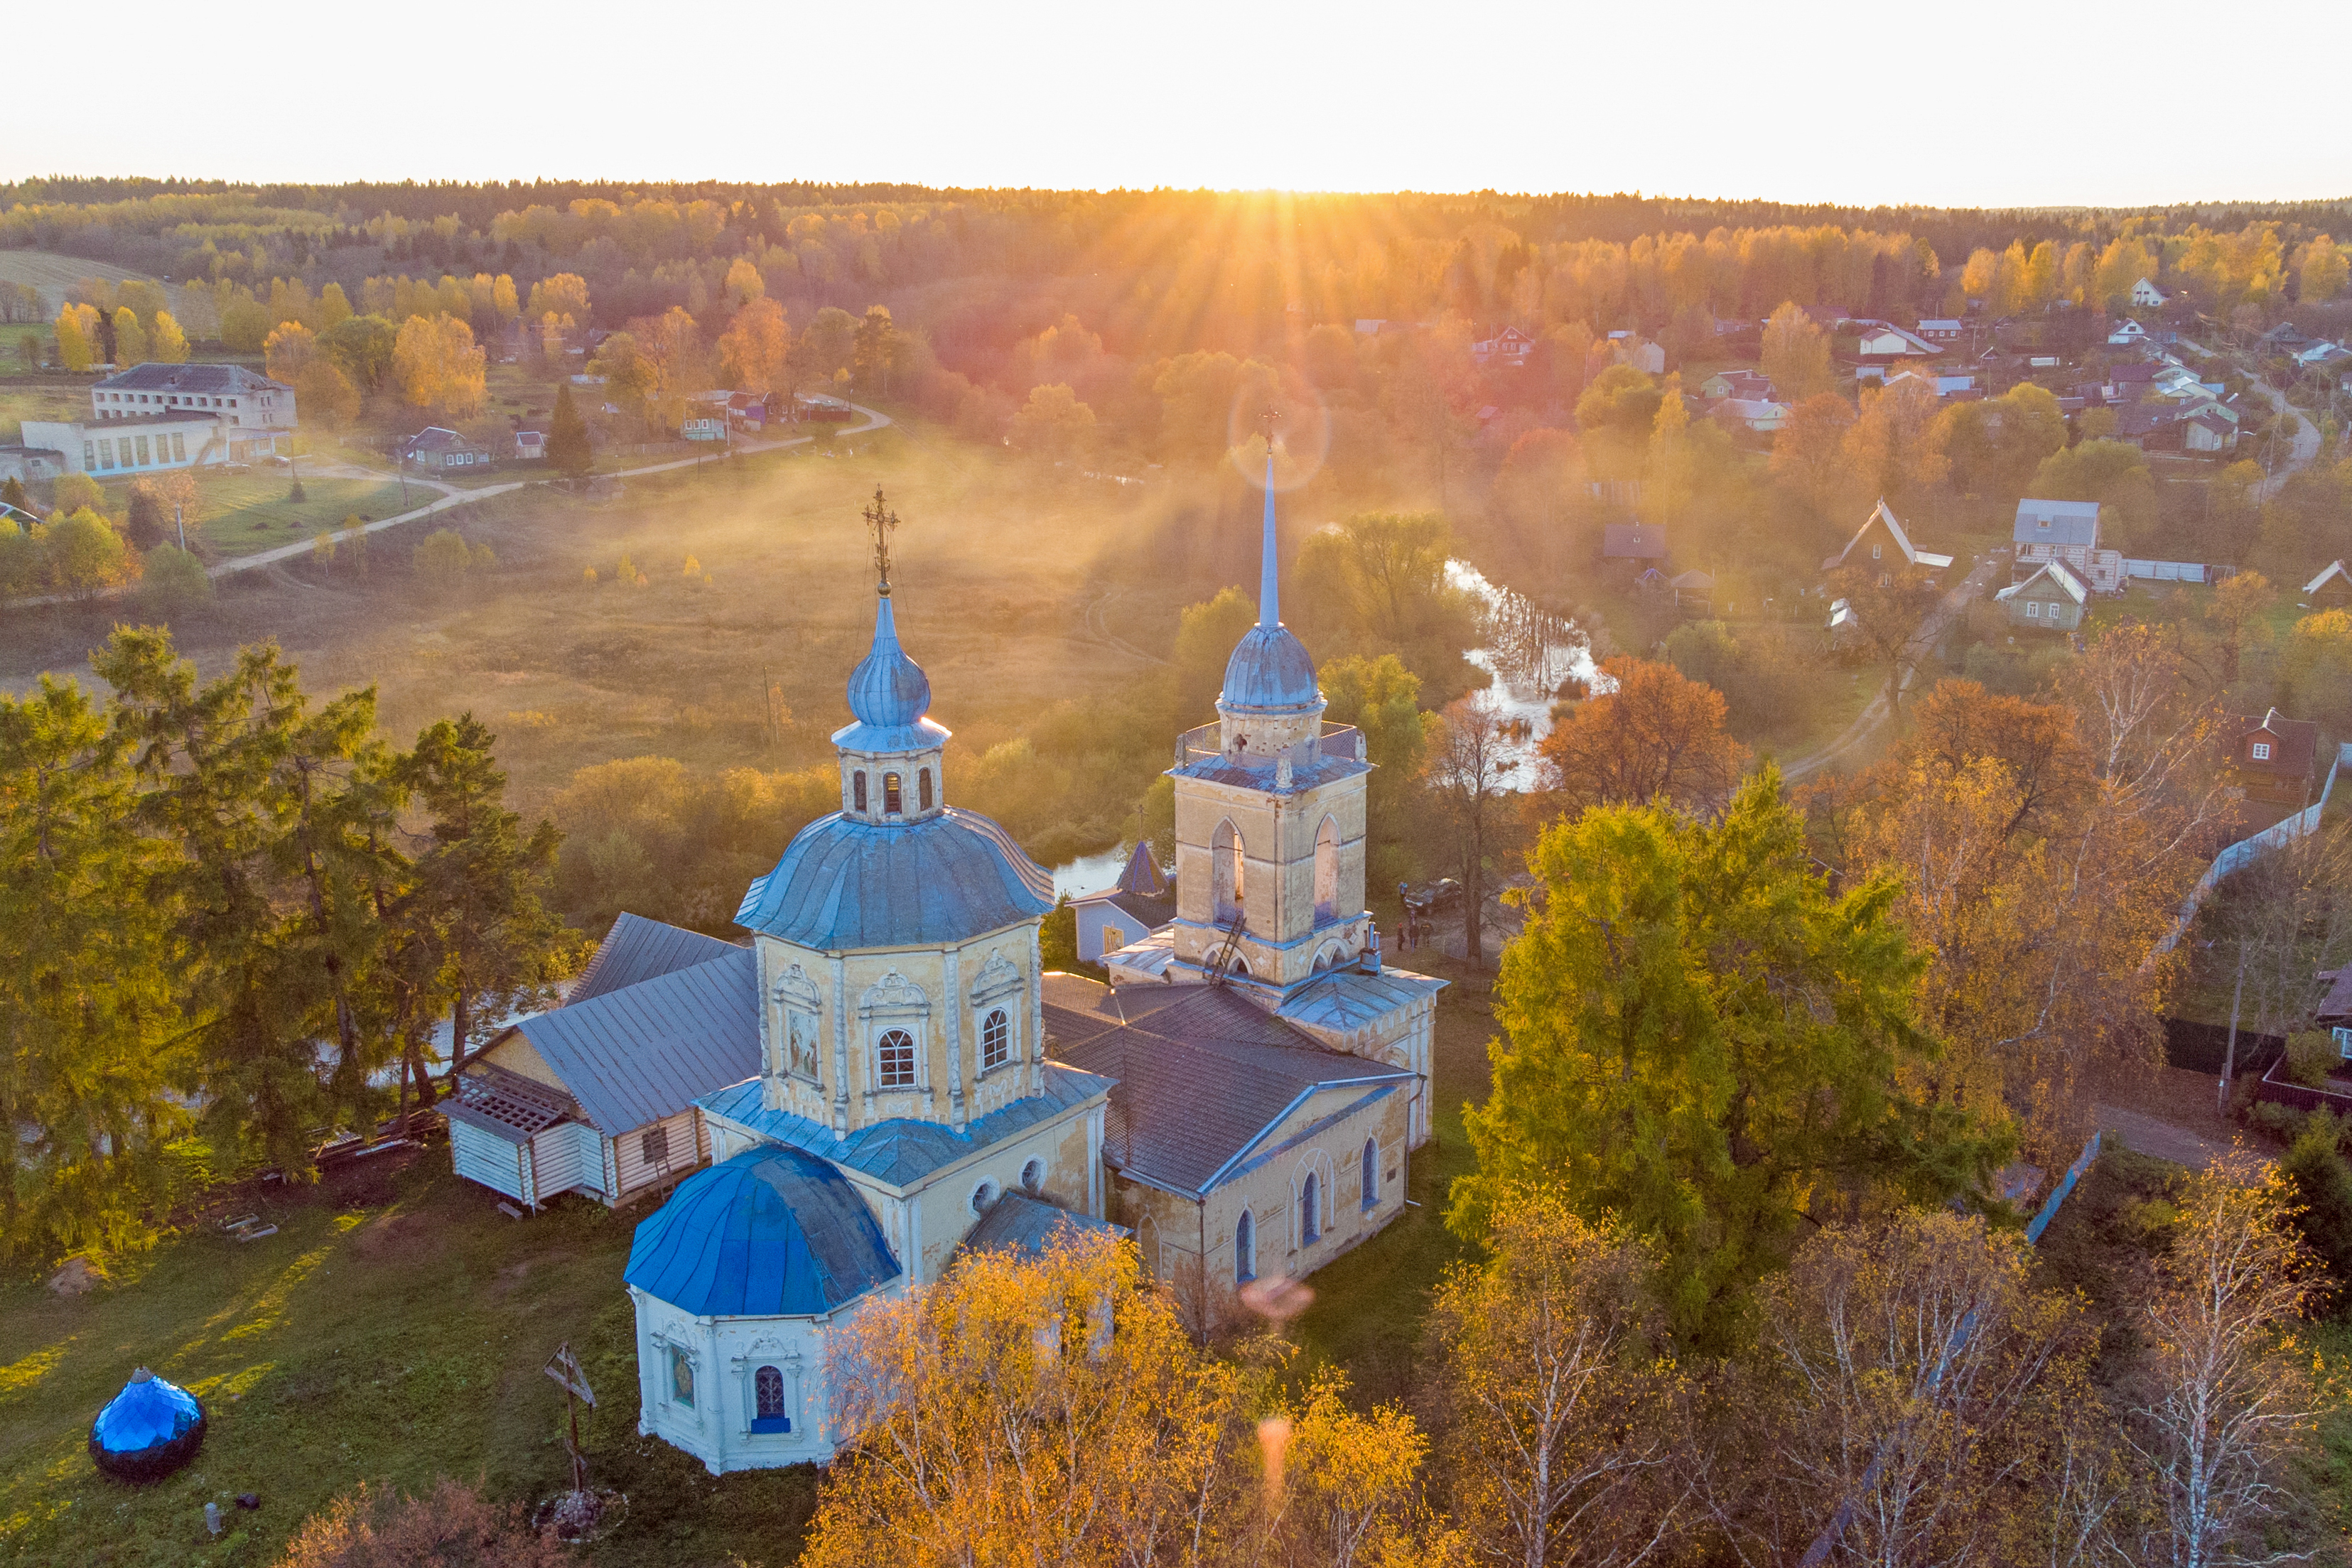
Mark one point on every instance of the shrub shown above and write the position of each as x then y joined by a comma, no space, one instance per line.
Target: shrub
446,560
2323,1182
74,491
174,578
2311,1056
453,1528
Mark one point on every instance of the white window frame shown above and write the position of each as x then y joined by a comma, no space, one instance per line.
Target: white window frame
999,986
896,1002
2262,751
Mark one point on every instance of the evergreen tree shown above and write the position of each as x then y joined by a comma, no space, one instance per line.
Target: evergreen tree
284,817
11,493
568,451
89,1028
479,914
1701,1041
144,526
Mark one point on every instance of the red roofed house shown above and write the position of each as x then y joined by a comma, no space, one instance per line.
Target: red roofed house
2273,758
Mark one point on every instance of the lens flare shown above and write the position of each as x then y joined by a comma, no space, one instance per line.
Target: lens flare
1300,427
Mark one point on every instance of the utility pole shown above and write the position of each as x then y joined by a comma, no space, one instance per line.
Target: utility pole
181,522
2229,1056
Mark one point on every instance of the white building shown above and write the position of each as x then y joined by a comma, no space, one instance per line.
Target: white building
2147,295
172,417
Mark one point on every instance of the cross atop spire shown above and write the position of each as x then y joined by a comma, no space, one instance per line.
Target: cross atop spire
881,523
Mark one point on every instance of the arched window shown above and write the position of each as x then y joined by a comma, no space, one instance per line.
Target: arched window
1371,1172
768,1401
1326,872
1032,1176
1310,1212
1226,872
857,790
1244,1248
890,804
923,789
995,1040
896,1050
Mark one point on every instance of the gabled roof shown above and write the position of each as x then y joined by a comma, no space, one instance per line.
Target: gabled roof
649,1051
2335,568
2295,744
1882,513
2336,1009
2065,581
1633,541
438,438
2056,522
1153,913
637,949
902,1150
1202,1074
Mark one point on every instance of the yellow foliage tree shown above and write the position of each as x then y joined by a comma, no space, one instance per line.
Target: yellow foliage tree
438,364
287,352
566,294
130,339
753,350
77,332
171,345
1796,354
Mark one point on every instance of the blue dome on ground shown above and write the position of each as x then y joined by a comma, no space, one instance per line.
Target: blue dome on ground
843,884
1270,670
148,1430
771,1233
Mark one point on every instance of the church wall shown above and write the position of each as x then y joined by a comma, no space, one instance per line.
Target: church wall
1404,1037
1278,834
1169,1226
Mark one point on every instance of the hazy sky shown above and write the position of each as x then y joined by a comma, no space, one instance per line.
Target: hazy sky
1988,103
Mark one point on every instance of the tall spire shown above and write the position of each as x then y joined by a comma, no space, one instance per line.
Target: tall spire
1269,571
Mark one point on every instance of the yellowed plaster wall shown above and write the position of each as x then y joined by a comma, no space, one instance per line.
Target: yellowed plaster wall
517,1055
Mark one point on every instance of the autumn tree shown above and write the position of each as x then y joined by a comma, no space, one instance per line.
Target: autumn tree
826,347
1469,774
1809,451
565,294
1894,447
1671,471
362,348
289,351
1553,1404
1378,584
753,349
2222,1409
170,345
1649,1067
1646,733
1382,698
1891,601
130,339
2113,473
438,364
76,351
2237,613
1796,354
1053,426
874,349
323,393
1019,1411
82,555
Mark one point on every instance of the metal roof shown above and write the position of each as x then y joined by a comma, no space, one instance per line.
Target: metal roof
507,1105
2068,522
637,949
888,690
646,1051
844,885
1016,1222
1912,554
1201,1074
902,1150
770,1233
1347,999
188,377
2056,571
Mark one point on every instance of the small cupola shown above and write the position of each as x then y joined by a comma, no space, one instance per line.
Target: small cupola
891,757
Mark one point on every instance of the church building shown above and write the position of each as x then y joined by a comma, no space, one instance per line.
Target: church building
1242,1099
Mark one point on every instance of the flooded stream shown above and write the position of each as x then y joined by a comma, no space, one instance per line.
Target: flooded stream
1528,652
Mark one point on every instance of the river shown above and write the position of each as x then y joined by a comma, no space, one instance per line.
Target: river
1528,654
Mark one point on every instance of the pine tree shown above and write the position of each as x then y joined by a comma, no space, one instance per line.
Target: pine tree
478,911
567,444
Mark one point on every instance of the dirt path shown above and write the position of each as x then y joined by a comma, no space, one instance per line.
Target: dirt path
2147,1135
1873,717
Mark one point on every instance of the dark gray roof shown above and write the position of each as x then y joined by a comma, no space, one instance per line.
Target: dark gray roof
1633,541
638,1055
2336,1009
638,949
902,1150
1202,1073
435,438
1016,1222
1153,912
226,379
846,884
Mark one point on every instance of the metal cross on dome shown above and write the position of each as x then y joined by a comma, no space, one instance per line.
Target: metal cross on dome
881,522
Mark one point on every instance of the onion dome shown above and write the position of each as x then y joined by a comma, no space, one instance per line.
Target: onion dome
148,1430
1270,671
889,696
845,885
771,1233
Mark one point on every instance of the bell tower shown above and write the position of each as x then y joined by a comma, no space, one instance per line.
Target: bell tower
1269,817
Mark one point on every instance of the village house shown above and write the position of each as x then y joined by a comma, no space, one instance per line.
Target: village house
29,465
158,416
438,448
2066,532
2331,588
1633,541
2131,334
2051,599
1883,541
2335,1013
1750,413
530,446
2147,296
1884,339
1509,347
1141,902
2273,758
1942,330
1740,384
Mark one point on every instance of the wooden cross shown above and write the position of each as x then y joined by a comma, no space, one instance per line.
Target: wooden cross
881,522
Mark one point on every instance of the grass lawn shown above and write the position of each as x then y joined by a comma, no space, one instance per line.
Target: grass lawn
391,1332
241,513
1369,1305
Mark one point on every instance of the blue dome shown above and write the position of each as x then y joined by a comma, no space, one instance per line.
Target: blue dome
148,1430
888,690
843,884
1270,670
771,1233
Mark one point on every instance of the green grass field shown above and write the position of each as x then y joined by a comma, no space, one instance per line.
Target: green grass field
391,1332
239,514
